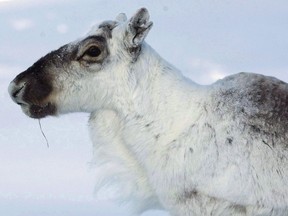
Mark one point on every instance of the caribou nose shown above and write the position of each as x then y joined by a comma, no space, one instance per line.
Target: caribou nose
16,91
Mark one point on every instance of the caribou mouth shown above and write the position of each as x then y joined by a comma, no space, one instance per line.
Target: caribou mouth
34,107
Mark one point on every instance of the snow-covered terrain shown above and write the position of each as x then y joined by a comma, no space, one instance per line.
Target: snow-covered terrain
207,40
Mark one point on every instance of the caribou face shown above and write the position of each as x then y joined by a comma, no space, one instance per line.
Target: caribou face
81,75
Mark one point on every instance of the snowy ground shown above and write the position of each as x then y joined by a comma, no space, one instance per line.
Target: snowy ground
205,39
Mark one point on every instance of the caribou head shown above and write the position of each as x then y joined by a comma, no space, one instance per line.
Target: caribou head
85,74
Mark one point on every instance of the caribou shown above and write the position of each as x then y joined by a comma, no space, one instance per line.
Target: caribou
219,149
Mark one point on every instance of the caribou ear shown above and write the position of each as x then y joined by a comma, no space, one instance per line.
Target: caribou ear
121,17
138,27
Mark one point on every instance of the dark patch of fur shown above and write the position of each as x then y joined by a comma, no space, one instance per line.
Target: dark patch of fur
138,116
229,140
255,129
97,38
157,136
42,111
239,208
258,102
134,52
38,83
190,194
149,124
191,150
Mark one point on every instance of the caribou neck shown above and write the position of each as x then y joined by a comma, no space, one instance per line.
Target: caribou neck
157,90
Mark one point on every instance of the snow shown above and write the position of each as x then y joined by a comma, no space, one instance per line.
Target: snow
205,39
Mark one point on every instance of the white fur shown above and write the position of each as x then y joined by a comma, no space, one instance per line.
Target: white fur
163,139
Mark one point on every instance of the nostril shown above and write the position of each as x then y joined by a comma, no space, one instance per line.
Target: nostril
16,92
15,89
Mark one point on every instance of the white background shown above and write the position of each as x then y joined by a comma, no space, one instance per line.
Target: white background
206,39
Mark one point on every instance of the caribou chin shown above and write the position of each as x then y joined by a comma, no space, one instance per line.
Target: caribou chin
36,111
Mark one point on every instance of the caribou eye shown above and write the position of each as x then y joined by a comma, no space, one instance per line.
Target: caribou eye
93,51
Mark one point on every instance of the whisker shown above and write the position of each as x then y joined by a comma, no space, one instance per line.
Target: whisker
47,143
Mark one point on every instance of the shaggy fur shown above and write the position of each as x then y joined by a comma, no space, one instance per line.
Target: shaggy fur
164,140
